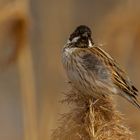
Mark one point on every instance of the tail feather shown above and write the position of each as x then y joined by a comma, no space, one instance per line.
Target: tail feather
131,99
136,103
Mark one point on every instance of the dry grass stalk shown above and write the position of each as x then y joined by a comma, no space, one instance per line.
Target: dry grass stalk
26,72
91,119
14,21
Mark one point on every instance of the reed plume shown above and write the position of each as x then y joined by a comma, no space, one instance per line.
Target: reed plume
91,119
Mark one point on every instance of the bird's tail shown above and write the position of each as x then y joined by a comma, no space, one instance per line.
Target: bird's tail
132,99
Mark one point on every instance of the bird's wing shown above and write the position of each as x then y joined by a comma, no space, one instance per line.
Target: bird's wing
119,76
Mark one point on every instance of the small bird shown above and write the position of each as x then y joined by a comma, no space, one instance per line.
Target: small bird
92,70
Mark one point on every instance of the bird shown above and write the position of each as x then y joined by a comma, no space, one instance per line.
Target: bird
92,70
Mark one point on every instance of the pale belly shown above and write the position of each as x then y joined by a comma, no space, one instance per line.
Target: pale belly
87,83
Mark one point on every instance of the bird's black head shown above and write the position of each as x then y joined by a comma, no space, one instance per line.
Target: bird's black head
81,37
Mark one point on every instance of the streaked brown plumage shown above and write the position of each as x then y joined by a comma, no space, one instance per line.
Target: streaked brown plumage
92,70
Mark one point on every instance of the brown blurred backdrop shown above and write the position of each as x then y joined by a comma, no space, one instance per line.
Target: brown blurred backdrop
114,23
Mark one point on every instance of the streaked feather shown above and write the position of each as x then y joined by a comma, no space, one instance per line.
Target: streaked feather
119,76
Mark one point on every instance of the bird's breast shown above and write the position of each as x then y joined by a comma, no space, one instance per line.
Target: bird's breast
85,70
75,69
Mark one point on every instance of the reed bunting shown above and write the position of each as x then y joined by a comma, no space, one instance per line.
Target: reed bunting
92,70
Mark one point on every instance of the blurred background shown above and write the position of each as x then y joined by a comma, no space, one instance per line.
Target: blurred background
32,79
